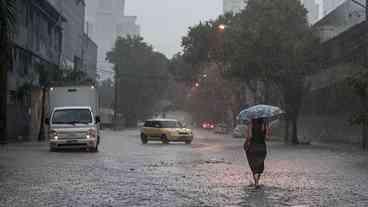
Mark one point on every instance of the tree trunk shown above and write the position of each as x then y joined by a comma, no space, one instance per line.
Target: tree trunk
294,130
364,135
364,101
287,130
41,135
3,102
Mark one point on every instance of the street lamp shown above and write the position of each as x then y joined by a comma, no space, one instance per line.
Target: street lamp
222,27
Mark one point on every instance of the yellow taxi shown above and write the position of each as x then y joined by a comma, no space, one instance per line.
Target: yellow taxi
165,130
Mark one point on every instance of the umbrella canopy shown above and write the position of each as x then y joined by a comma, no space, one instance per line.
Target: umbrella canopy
260,111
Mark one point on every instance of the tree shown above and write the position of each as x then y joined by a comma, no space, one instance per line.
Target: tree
276,45
141,77
106,92
7,29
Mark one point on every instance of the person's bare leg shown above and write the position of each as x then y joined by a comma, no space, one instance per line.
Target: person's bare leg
259,177
255,179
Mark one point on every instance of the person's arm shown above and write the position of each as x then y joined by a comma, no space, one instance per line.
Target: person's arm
248,137
268,132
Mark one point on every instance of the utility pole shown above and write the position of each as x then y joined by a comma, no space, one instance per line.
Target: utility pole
116,100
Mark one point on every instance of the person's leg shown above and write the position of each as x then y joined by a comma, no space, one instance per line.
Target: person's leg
258,177
254,178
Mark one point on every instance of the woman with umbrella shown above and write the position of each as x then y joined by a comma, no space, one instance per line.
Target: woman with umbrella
255,144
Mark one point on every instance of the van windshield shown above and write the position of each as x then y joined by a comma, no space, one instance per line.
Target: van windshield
72,116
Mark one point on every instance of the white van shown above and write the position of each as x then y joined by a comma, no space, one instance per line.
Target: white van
74,119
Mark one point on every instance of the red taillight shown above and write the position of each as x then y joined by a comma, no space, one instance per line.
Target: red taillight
212,126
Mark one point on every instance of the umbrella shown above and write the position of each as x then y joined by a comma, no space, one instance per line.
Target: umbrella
260,111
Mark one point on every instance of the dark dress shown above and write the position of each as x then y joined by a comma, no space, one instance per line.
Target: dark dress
257,151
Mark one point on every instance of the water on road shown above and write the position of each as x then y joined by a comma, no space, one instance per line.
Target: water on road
213,171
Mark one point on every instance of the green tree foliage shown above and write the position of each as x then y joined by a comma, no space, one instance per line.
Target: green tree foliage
7,29
269,42
196,45
276,45
181,70
141,77
106,92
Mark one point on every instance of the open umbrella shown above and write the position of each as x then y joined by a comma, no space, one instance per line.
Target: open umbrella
260,111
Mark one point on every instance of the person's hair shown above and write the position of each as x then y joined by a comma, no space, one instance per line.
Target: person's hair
259,124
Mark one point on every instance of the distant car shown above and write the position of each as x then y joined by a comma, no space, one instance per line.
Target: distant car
208,125
165,130
240,131
221,129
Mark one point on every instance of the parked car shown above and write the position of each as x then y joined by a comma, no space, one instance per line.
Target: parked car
165,130
221,129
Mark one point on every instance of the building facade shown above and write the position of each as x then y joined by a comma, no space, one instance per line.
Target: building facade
90,57
73,31
313,10
342,18
105,22
37,48
330,5
234,6
78,50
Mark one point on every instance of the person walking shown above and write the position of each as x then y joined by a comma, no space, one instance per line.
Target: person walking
255,147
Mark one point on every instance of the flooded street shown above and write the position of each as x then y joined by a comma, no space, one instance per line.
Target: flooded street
211,172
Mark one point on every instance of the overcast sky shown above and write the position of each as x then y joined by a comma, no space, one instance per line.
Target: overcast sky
164,22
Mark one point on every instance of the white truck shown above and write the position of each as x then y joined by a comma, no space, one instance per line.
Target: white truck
73,118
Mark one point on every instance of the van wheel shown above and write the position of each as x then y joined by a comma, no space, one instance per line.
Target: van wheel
93,149
52,149
188,142
164,139
144,139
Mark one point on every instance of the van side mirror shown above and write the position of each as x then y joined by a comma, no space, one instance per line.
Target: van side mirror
47,121
98,119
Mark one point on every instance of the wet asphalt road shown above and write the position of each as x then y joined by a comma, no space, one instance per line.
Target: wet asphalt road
211,172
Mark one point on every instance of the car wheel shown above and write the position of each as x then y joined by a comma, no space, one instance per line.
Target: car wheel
164,139
188,142
52,149
144,139
93,149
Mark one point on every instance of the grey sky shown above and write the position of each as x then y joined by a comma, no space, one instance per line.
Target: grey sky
164,22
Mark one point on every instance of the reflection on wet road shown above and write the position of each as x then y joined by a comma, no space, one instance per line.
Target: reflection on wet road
211,172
